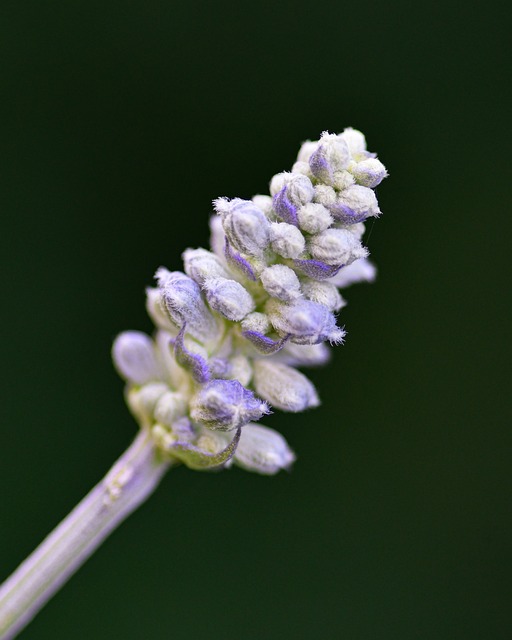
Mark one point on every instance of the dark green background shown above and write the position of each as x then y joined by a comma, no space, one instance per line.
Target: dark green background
119,123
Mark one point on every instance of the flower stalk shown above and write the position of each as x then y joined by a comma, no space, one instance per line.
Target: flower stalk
131,480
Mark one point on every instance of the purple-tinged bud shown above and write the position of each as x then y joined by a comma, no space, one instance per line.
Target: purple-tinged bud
195,363
286,240
355,204
198,458
263,450
281,282
359,271
217,236
264,203
336,247
225,405
229,298
314,218
323,293
369,173
331,157
201,264
305,321
157,311
306,151
326,195
284,387
170,407
245,225
316,269
304,355
184,303
256,322
296,191
135,358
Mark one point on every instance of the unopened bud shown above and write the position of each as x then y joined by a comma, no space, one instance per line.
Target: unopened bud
281,282
369,173
135,357
336,247
244,224
286,240
284,387
201,264
229,298
314,217
263,450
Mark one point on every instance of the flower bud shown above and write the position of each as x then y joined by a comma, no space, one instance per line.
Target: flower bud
217,236
304,355
191,356
142,401
201,264
284,387
355,204
359,271
302,167
296,191
262,450
314,217
369,173
355,140
279,281
324,194
305,321
323,293
184,303
286,240
264,203
306,150
226,405
245,225
256,322
169,407
156,310
135,357
331,156
336,247
229,298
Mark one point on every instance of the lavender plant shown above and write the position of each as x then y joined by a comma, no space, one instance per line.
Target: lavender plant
230,334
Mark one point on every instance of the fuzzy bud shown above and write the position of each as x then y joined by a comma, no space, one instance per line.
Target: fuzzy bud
324,293
201,264
229,298
306,151
369,173
184,303
279,281
336,247
305,321
286,240
226,405
355,204
263,450
314,218
331,157
355,140
135,357
244,224
170,406
284,387
359,271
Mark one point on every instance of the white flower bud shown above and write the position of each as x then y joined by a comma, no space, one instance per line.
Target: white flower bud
357,229
359,271
169,407
336,247
303,355
229,298
314,217
299,189
369,173
324,195
258,322
142,401
244,224
281,282
342,179
355,140
201,264
241,369
217,236
302,167
135,357
262,450
306,150
177,376
284,387
156,310
324,293
264,203
286,239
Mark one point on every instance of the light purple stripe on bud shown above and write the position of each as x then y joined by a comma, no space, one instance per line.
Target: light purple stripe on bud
194,363
237,262
263,343
317,269
284,208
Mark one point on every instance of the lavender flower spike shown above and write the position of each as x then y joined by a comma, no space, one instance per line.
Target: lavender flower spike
229,335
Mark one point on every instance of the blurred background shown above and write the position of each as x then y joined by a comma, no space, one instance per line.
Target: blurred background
119,123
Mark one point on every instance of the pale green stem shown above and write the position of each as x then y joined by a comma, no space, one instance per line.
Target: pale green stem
131,480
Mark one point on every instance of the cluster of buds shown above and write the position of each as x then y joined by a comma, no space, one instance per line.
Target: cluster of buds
232,328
